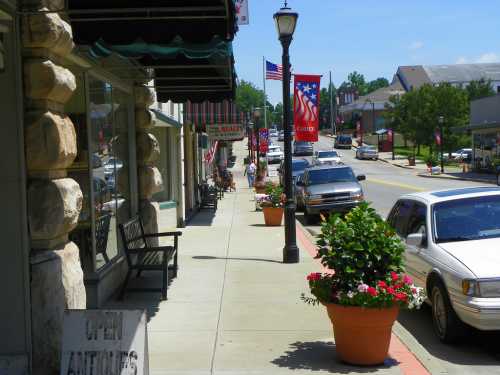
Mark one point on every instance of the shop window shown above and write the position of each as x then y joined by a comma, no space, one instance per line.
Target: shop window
101,168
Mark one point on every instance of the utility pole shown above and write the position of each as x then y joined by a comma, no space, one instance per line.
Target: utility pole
332,118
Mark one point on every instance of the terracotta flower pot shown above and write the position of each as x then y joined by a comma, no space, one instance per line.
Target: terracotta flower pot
273,216
362,335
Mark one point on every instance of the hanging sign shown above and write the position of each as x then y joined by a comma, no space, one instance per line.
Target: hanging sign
263,140
437,137
225,132
104,342
390,135
306,107
242,11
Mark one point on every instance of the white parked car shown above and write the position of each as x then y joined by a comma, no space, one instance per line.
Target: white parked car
274,154
453,251
324,157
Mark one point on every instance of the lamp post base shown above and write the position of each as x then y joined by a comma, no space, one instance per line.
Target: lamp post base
291,254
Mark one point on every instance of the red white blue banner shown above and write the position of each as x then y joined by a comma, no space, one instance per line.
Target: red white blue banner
306,107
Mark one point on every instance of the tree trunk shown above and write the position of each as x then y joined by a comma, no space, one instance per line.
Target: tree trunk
418,149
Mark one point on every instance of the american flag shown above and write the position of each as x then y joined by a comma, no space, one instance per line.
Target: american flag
274,71
306,101
210,155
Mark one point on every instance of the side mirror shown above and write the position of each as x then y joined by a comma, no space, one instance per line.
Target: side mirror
361,177
416,239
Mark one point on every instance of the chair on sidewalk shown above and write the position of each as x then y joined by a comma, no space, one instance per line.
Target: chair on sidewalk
208,196
143,257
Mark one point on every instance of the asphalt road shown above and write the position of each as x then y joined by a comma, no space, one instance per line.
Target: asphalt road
480,353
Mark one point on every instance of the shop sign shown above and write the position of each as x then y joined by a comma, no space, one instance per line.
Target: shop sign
225,132
242,11
263,140
104,342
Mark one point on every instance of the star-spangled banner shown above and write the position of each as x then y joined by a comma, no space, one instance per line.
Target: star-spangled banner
306,107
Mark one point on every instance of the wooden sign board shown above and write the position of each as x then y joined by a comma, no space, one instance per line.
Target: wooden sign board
104,342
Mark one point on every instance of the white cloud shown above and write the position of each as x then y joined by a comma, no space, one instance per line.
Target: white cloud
461,60
416,45
489,57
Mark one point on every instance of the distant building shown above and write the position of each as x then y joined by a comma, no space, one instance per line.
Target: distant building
485,130
369,108
458,75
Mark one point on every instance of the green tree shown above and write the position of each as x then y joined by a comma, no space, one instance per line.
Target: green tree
479,89
249,97
376,84
324,106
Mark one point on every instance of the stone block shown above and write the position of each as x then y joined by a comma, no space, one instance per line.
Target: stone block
144,96
150,181
50,141
53,209
148,148
56,285
150,214
144,118
44,80
49,31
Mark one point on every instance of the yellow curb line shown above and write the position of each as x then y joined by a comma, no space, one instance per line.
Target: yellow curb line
404,186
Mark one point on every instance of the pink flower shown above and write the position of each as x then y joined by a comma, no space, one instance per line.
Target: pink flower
394,276
407,280
363,288
372,291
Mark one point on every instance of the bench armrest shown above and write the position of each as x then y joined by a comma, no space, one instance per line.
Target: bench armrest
163,234
150,250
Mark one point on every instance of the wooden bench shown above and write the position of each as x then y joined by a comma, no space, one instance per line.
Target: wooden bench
143,257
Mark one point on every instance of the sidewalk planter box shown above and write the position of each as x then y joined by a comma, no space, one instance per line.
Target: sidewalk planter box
273,216
363,287
362,335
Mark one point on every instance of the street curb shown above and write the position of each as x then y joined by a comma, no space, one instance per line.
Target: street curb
397,165
420,354
483,181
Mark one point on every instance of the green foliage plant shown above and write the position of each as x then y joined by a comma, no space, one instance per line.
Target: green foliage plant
275,195
365,257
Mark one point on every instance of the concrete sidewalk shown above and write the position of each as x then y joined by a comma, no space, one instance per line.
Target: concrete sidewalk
235,308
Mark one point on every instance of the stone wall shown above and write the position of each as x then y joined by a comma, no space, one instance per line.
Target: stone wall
54,201
148,152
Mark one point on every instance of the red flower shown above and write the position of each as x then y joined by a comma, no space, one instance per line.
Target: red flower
401,296
315,276
372,291
390,290
382,284
398,286
394,276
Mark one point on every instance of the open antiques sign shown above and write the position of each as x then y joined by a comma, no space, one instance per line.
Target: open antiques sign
225,132
104,342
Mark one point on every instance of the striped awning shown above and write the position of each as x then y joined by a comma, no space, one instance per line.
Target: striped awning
201,114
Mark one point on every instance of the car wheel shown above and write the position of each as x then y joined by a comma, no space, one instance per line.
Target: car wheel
447,325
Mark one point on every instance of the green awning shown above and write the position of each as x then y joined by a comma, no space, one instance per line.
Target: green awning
166,119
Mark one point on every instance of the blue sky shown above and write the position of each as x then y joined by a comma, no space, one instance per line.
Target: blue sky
371,37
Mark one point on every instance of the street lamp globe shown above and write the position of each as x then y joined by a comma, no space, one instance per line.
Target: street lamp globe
257,113
285,20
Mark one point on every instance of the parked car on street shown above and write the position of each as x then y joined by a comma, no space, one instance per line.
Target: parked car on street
325,157
281,136
111,165
299,165
367,152
453,251
302,148
343,141
274,154
330,188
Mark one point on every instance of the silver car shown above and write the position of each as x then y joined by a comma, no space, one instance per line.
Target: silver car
453,250
367,152
329,188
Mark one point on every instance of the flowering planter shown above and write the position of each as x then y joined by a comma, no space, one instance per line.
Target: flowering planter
362,335
260,189
273,216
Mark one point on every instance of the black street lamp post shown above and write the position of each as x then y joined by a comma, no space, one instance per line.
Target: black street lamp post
286,20
441,123
256,115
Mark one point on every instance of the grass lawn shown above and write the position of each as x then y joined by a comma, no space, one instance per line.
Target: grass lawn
424,153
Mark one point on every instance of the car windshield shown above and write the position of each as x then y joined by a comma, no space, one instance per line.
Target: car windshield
299,165
326,176
274,149
299,143
327,154
344,139
467,219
